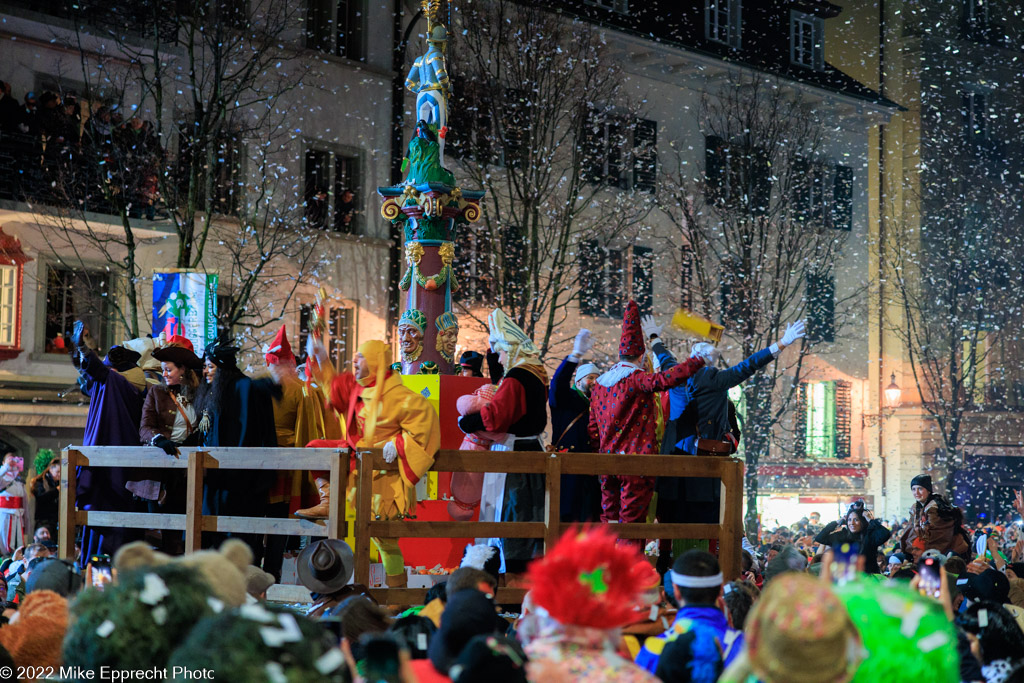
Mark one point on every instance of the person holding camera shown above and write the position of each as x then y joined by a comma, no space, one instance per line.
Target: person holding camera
858,526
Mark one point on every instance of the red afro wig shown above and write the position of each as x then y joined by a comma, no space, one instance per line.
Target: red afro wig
589,579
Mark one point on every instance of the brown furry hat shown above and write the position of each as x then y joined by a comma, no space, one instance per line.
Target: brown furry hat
34,638
223,569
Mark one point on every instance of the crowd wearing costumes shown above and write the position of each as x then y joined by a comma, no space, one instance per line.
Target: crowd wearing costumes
596,608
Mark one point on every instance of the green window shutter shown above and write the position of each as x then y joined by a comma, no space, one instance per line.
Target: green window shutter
801,421
802,189
844,418
715,166
590,278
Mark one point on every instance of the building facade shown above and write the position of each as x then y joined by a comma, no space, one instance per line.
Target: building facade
955,69
331,150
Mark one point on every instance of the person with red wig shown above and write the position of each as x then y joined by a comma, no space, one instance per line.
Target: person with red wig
582,593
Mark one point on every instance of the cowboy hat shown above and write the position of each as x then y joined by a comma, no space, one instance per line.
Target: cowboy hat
326,565
179,355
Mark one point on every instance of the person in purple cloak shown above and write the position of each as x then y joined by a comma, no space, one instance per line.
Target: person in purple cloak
115,396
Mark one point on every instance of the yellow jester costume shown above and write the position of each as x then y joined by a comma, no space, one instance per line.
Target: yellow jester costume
390,413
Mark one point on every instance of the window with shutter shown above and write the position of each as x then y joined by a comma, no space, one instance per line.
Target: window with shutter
820,422
821,302
686,279
336,27
645,155
643,278
470,134
590,278
844,418
716,167
475,267
842,198
601,281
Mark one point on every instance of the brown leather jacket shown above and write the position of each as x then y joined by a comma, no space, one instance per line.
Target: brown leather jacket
158,414
929,530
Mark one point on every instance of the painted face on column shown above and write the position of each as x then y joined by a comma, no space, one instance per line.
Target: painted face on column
447,335
411,327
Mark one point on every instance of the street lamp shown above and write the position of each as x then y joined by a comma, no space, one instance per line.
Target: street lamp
892,393
892,402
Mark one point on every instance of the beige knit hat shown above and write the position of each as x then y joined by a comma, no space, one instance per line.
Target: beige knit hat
799,632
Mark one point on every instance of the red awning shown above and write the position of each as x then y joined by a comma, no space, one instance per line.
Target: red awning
812,470
10,250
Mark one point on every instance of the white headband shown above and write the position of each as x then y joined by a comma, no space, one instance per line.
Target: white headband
687,581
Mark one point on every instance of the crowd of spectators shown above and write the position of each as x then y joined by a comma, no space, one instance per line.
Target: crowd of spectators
69,152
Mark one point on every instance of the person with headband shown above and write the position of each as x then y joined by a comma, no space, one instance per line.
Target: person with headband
518,409
378,411
697,580
569,398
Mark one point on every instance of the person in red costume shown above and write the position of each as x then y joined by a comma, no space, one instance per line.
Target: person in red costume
518,409
623,419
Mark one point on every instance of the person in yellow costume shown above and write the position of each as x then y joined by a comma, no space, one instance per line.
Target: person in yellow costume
378,411
299,417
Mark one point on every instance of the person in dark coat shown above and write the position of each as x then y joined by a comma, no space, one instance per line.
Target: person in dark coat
701,411
45,488
241,412
569,398
935,523
857,526
115,409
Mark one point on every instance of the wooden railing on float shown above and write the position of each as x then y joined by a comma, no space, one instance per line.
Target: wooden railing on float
196,462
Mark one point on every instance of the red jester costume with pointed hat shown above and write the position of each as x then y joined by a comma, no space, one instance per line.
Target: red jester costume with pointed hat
623,419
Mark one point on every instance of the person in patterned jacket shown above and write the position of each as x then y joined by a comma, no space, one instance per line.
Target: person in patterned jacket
623,417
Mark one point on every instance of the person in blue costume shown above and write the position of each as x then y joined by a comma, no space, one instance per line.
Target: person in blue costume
697,586
241,412
701,411
115,409
569,398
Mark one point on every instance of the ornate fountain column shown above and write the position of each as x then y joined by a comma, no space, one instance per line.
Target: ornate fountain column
430,207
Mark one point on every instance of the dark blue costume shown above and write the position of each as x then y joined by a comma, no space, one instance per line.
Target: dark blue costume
696,499
245,418
581,494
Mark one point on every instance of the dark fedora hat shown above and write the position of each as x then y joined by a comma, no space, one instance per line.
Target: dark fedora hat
326,565
179,355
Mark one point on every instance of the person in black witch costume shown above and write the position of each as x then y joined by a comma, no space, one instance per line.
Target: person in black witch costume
241,413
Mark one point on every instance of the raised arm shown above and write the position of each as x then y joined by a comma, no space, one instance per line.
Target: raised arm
666,379
745,369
